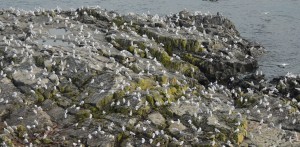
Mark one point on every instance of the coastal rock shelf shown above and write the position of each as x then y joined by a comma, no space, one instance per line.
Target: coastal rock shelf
92,77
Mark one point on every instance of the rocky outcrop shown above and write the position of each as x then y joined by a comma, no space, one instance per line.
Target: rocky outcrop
93,77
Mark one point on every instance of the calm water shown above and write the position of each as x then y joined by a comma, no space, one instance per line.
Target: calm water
273,23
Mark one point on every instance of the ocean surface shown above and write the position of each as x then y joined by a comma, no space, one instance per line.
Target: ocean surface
273,23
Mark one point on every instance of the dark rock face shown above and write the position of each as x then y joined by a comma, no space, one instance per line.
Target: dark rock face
288,86
92,77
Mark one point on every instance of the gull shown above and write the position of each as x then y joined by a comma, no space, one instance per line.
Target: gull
237,130
266,13
143,140
282,65
92,81
150,140
15,94
298,89
90,136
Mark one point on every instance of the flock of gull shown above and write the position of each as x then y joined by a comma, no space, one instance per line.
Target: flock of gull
126,92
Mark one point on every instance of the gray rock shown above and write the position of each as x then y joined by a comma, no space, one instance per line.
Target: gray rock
176,128
92,77
157,119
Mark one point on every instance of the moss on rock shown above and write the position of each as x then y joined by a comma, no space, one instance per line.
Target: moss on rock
239,136
39,61
83,114
21,130
102,103
39,97
163,79
146,83
118,21
143,111
47,141
183,43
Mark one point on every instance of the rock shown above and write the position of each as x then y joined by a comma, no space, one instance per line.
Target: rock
157,119
57,113
104,141
278,138
287,86
26,116
54,78
176,128
93,77
183,109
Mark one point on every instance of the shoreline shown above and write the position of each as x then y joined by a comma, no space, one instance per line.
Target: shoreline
118,80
